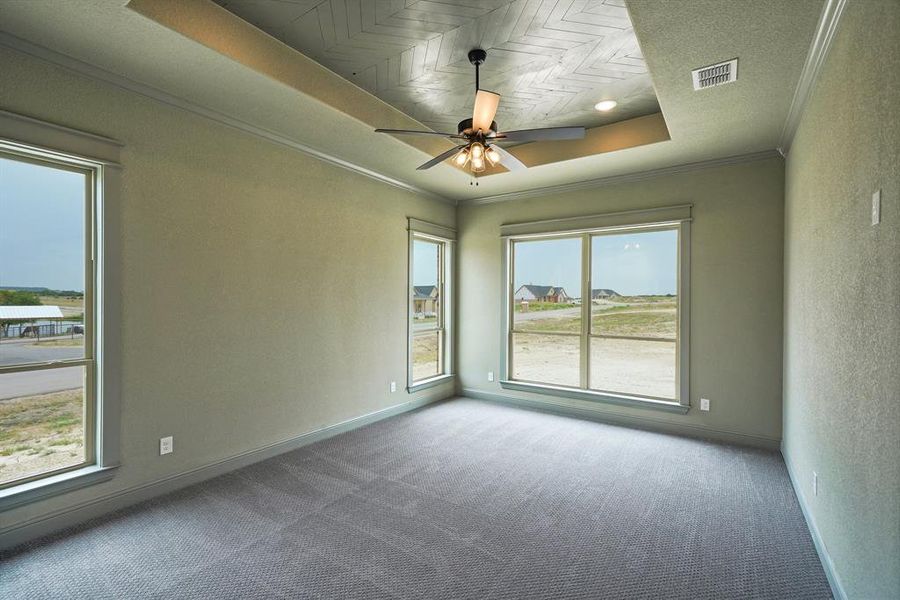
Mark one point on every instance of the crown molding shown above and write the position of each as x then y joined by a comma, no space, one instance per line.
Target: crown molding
815,59
617,179
96,73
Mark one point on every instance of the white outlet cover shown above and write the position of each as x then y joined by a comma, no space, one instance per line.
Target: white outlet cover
165,445
393,386
876,208
490,375
704,403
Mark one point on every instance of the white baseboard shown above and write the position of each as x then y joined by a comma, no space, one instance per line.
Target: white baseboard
643,422
72,515
837,590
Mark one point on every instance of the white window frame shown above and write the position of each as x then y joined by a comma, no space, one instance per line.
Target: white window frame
446,240
586,228
30,140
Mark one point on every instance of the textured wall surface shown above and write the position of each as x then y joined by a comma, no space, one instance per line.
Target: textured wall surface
736,290
842,302
263,292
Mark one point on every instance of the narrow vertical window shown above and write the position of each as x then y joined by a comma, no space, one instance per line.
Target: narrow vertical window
427,321
46,318
429,308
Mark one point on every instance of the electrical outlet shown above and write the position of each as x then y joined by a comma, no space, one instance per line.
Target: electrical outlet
165,445
876,207
393,386
490,375
815,484
704,404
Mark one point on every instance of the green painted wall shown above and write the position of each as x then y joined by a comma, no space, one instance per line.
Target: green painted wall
842,302
263,291
736,292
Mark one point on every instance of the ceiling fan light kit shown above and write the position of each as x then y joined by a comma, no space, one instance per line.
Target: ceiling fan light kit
480,134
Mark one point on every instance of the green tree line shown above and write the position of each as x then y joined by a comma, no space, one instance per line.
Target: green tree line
18,298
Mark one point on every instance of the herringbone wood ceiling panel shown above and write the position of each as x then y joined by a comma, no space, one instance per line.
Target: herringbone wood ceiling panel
551,60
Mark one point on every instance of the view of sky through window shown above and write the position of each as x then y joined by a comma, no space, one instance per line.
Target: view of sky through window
631,264
425,263
636,264
549,262
41,227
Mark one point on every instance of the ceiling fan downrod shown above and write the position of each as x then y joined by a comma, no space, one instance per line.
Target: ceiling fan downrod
476,57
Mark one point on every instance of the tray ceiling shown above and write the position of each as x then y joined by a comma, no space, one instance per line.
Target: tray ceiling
234,73
551,60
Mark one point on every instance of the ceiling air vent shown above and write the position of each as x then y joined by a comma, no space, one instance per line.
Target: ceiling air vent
713,75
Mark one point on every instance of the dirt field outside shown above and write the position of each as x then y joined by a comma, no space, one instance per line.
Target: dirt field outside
643,367
425,349
40,433
70,306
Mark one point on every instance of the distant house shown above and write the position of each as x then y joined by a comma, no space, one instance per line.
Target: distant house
603,293
542,293
425,299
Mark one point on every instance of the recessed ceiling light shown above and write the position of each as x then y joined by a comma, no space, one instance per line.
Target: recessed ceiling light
605,105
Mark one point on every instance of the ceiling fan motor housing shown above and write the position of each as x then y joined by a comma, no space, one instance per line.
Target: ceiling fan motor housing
465,127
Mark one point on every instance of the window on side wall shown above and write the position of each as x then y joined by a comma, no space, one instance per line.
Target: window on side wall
430,293
47,361
59,387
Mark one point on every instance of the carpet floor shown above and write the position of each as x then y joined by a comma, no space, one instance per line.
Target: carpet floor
462,499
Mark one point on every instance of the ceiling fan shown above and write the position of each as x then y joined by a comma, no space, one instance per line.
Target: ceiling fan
479,137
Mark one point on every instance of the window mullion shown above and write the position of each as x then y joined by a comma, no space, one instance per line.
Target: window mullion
42,366
585,354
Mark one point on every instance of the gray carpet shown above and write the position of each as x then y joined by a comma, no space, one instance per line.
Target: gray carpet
462,499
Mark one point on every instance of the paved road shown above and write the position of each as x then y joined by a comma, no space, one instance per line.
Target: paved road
30,383
13,352
14,385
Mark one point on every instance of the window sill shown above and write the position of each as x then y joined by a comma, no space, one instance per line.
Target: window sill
54,485
429,383
622,400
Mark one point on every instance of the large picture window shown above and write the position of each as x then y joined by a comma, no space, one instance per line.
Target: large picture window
600,312
46,318
430,260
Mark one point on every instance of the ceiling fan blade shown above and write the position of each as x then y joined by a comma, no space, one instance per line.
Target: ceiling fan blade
485,109
546,134
438,159
414,132
509,161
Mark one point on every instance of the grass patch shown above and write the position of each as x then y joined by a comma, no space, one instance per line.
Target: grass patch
31,417
39,432
636,323
67,342
66,422
65,441
655,322
541,306
601,308
64,301
13,449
